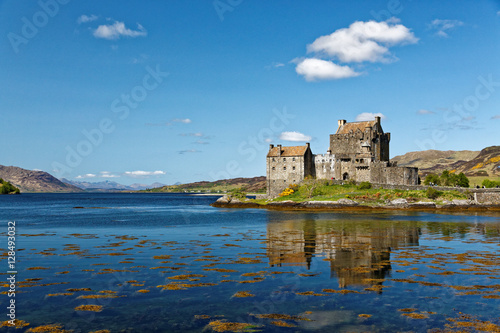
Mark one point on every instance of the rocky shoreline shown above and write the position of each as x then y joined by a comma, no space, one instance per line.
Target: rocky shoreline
347,204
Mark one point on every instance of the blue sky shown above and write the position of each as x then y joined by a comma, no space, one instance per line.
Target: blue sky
182,91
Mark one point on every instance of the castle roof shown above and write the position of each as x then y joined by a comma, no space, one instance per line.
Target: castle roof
361,125
287,151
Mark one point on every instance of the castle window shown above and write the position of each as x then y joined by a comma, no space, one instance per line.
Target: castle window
284,168
293,168
293,159
284,159
274,168
274,159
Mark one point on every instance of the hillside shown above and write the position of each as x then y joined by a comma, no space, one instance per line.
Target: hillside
8,188
109,186
250,185
485,163
34,181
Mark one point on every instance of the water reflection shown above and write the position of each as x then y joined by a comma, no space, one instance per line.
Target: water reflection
356,250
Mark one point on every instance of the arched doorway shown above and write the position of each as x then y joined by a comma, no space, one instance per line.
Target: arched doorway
345,176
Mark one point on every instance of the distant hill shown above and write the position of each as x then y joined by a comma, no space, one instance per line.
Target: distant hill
34,181
108,185
251,185
485,163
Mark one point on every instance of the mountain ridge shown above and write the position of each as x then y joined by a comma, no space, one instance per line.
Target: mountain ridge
34,181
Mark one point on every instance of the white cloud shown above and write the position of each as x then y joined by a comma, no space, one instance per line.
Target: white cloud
366,116
423,111
316,69
140,173
201,142
107,174
294,136
441,26
199,134
496,116
188,151
184,121
118,29
363,41
88,175
86,19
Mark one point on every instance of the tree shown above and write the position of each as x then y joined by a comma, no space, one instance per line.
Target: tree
462,180
432,178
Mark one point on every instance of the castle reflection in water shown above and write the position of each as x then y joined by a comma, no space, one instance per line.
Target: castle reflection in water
356,250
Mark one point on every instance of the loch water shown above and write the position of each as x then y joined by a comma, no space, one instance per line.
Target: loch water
172,263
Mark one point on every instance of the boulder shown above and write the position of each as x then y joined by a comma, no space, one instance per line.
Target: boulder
347,202
399,202
224,199
458,202
422,204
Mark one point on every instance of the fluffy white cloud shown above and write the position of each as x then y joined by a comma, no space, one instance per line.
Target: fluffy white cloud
294,136
441,26
317,69
86,18
366,116
363,41
87,175
117,30
423,111
184,121
140,173
107,174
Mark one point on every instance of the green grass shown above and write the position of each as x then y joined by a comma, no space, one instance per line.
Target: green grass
477,180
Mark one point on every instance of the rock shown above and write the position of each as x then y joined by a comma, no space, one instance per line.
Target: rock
319,203
224,199
458,202
399,202
286,203
347,202
422,204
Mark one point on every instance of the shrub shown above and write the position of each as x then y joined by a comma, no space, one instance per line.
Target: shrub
365,186
238,193
286,192
433,193
490,183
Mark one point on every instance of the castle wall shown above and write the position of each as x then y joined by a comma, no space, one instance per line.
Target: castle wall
324,166
286,170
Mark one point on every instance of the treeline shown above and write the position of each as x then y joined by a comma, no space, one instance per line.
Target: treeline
8,188
447,179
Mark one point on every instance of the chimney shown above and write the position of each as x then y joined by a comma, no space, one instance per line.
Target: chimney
308,145
271,146
377,120
279,150
342,122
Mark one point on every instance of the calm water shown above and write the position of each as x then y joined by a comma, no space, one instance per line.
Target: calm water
172,263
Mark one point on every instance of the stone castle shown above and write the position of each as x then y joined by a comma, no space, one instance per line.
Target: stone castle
358,151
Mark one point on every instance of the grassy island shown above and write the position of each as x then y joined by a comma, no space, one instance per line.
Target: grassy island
363,193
